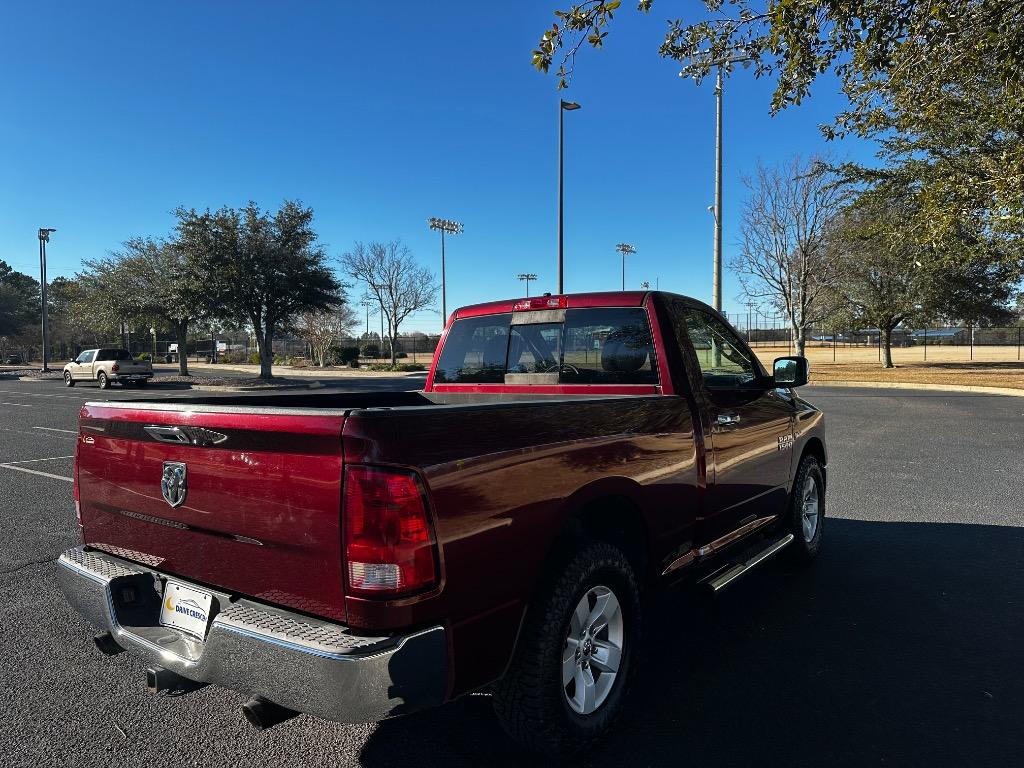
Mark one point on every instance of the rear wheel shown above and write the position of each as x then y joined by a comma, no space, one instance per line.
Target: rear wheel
142,382
68,381
568,680
104,382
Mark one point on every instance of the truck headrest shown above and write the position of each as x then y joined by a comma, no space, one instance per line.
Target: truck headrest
624,353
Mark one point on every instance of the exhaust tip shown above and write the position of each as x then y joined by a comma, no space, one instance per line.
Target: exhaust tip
107,644
263,714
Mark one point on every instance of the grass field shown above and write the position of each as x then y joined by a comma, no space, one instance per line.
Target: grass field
992,366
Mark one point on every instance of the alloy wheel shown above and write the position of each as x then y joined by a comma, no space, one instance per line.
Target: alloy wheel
593,650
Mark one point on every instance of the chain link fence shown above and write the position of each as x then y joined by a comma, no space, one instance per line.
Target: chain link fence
962,343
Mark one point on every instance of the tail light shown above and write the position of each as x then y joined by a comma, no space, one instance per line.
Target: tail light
115,368
76,492
390,549
540,302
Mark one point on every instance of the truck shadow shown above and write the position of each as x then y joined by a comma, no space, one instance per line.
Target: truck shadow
900,646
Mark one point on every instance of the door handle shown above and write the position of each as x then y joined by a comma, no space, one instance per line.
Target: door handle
727,419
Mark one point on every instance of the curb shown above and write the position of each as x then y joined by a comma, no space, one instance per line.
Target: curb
275,388
967,388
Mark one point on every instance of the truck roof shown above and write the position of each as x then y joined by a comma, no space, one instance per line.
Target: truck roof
571,301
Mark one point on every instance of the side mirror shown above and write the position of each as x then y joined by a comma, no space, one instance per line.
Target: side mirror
791,371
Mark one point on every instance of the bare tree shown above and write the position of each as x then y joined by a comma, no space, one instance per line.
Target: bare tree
322,328
786,253
398,284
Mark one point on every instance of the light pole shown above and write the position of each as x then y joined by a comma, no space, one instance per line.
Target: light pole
44,238
626,250
563,106
452,228
527,277
716,209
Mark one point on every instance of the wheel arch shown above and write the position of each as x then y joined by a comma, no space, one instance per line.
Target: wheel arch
610,510
816,447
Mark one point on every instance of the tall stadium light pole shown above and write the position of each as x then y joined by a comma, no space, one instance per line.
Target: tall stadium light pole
452,228
563,107
527,277
44,238
626,250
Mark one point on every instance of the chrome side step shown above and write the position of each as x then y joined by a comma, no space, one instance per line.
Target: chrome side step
723,578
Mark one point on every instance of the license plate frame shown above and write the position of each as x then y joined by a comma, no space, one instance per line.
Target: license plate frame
185,608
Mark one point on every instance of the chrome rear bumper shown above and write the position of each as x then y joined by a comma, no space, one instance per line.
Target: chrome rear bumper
293,660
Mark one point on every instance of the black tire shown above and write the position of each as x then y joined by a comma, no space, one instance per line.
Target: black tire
804,548
68,381
142,382
104,382
531,702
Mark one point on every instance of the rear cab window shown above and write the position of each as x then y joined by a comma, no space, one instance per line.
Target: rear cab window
583,346
114,354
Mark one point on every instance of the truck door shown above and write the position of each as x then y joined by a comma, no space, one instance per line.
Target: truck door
750,425
83,364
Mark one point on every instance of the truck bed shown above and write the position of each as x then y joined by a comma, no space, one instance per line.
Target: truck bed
263,513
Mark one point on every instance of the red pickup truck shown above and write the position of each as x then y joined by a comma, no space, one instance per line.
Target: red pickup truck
356,556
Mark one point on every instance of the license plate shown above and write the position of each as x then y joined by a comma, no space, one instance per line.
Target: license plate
185,608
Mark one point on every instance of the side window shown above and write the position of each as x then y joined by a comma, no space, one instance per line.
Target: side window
474,351
608,346
723,360
86,357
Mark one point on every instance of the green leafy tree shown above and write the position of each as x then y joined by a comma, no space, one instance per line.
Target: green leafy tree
260,266
19,301
890,275
172,287
937,83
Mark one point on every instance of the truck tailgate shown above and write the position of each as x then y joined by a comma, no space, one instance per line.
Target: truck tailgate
260,512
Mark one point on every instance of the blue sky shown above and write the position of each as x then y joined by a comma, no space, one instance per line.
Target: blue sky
379,115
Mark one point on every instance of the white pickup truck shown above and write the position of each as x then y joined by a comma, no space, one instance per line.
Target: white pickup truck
106,366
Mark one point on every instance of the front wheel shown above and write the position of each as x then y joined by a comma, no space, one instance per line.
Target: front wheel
101,377
68,381
807,510
567,682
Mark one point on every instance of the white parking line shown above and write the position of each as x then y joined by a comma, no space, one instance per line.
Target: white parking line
54,429
33,461
20,405
37,472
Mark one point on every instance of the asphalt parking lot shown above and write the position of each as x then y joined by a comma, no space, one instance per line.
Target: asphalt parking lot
900,646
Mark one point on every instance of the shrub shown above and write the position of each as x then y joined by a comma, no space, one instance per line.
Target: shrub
353,363
145,357
371,350
400,355
254,358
